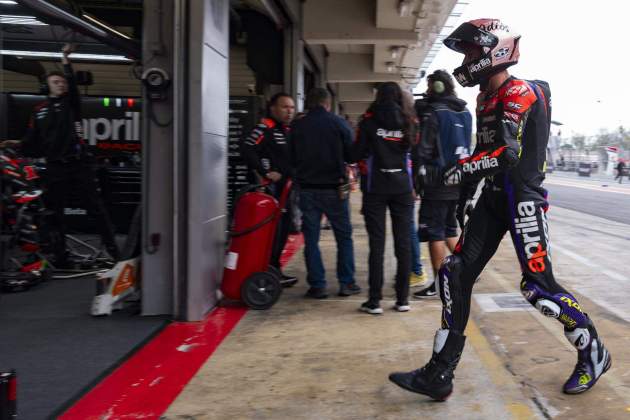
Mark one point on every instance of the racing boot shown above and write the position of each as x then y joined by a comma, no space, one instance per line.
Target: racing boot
593,359
435,379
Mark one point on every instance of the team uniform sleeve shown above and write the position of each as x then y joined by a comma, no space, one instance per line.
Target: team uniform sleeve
359,148
251,146
30,142
73,90
346,138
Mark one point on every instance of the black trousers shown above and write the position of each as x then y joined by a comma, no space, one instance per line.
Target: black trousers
522,213
78,177
401,211
284,224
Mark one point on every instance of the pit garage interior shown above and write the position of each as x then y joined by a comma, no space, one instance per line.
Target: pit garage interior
173,152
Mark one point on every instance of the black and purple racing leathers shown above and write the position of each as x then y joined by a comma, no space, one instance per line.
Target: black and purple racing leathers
512,135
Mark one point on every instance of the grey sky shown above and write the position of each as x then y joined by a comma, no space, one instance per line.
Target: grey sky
579,47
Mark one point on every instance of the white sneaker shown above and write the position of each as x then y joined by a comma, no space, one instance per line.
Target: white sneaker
402,308
371,308
429,293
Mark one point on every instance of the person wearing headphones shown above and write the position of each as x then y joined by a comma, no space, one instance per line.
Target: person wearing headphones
55,133
446,129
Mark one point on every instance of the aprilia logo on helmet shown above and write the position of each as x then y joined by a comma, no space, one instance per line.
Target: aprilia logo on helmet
482,64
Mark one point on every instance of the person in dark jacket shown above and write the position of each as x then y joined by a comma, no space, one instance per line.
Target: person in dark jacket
621,167
54,133
266,152
320,148
446,127
384,140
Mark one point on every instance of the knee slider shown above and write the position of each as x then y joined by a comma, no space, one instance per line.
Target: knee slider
540,299
450,270
452,263
548,308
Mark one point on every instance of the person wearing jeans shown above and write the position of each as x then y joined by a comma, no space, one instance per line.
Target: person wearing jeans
417,276
320,148
314,203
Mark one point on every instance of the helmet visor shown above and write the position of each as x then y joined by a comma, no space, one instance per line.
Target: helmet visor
467,35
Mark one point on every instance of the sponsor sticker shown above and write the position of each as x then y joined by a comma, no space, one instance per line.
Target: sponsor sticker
502,52
231,260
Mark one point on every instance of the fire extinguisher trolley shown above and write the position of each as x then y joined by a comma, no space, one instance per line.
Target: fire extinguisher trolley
247,275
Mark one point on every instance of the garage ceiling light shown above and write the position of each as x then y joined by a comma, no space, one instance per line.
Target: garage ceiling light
20,20
7,2
74,56
101,24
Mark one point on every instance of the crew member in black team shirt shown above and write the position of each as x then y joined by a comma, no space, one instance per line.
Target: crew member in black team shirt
266,151
55,134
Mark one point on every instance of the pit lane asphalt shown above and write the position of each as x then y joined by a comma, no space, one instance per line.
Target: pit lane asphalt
598,196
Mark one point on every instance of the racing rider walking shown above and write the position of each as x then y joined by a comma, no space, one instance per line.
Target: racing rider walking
513,118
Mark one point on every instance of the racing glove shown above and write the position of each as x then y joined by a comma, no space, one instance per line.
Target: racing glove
464,210
453,175
429,176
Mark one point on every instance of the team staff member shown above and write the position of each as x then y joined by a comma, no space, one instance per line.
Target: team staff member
384,140
320,148
513,118
54,133
446,127
266,152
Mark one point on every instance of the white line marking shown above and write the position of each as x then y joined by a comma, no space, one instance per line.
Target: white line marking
612,274
575,256
587,186
615,275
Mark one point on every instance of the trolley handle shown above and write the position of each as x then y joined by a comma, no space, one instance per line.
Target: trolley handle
264,185
284,195
253,228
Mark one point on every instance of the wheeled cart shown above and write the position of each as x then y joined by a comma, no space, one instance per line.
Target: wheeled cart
247,275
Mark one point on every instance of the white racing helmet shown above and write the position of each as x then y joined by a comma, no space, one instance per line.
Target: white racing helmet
498,45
